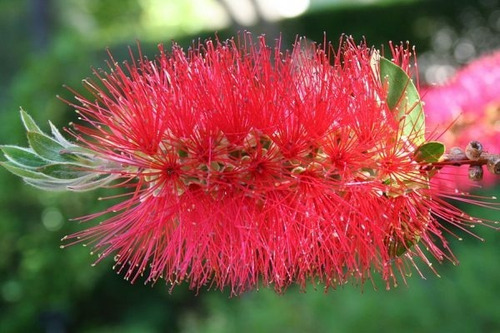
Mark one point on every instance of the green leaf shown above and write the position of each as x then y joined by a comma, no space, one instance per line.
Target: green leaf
54,163
91,185
403,99
81,152
52,184
48,148
429,152
58,136
48,185
29,123
24,173
23,157
63,171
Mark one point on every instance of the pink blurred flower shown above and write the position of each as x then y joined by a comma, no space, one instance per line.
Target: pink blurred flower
469,104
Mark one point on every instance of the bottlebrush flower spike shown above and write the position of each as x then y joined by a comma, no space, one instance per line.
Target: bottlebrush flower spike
250,166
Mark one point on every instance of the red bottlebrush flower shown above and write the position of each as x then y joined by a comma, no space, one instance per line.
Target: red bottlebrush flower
248,165
466,108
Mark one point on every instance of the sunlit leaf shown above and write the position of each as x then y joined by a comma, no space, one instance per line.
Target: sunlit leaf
429,152
404,100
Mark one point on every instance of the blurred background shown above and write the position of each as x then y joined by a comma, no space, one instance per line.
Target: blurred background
48,43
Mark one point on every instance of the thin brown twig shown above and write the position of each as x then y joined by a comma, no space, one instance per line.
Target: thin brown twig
474,156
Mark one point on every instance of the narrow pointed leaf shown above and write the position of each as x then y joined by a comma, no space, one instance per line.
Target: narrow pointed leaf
87,186
23,157
61,185
24,173
81,151
47,185
404,100
29,123
58,136
48,148
63,171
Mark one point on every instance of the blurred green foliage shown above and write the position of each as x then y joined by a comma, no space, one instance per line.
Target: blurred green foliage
45,289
